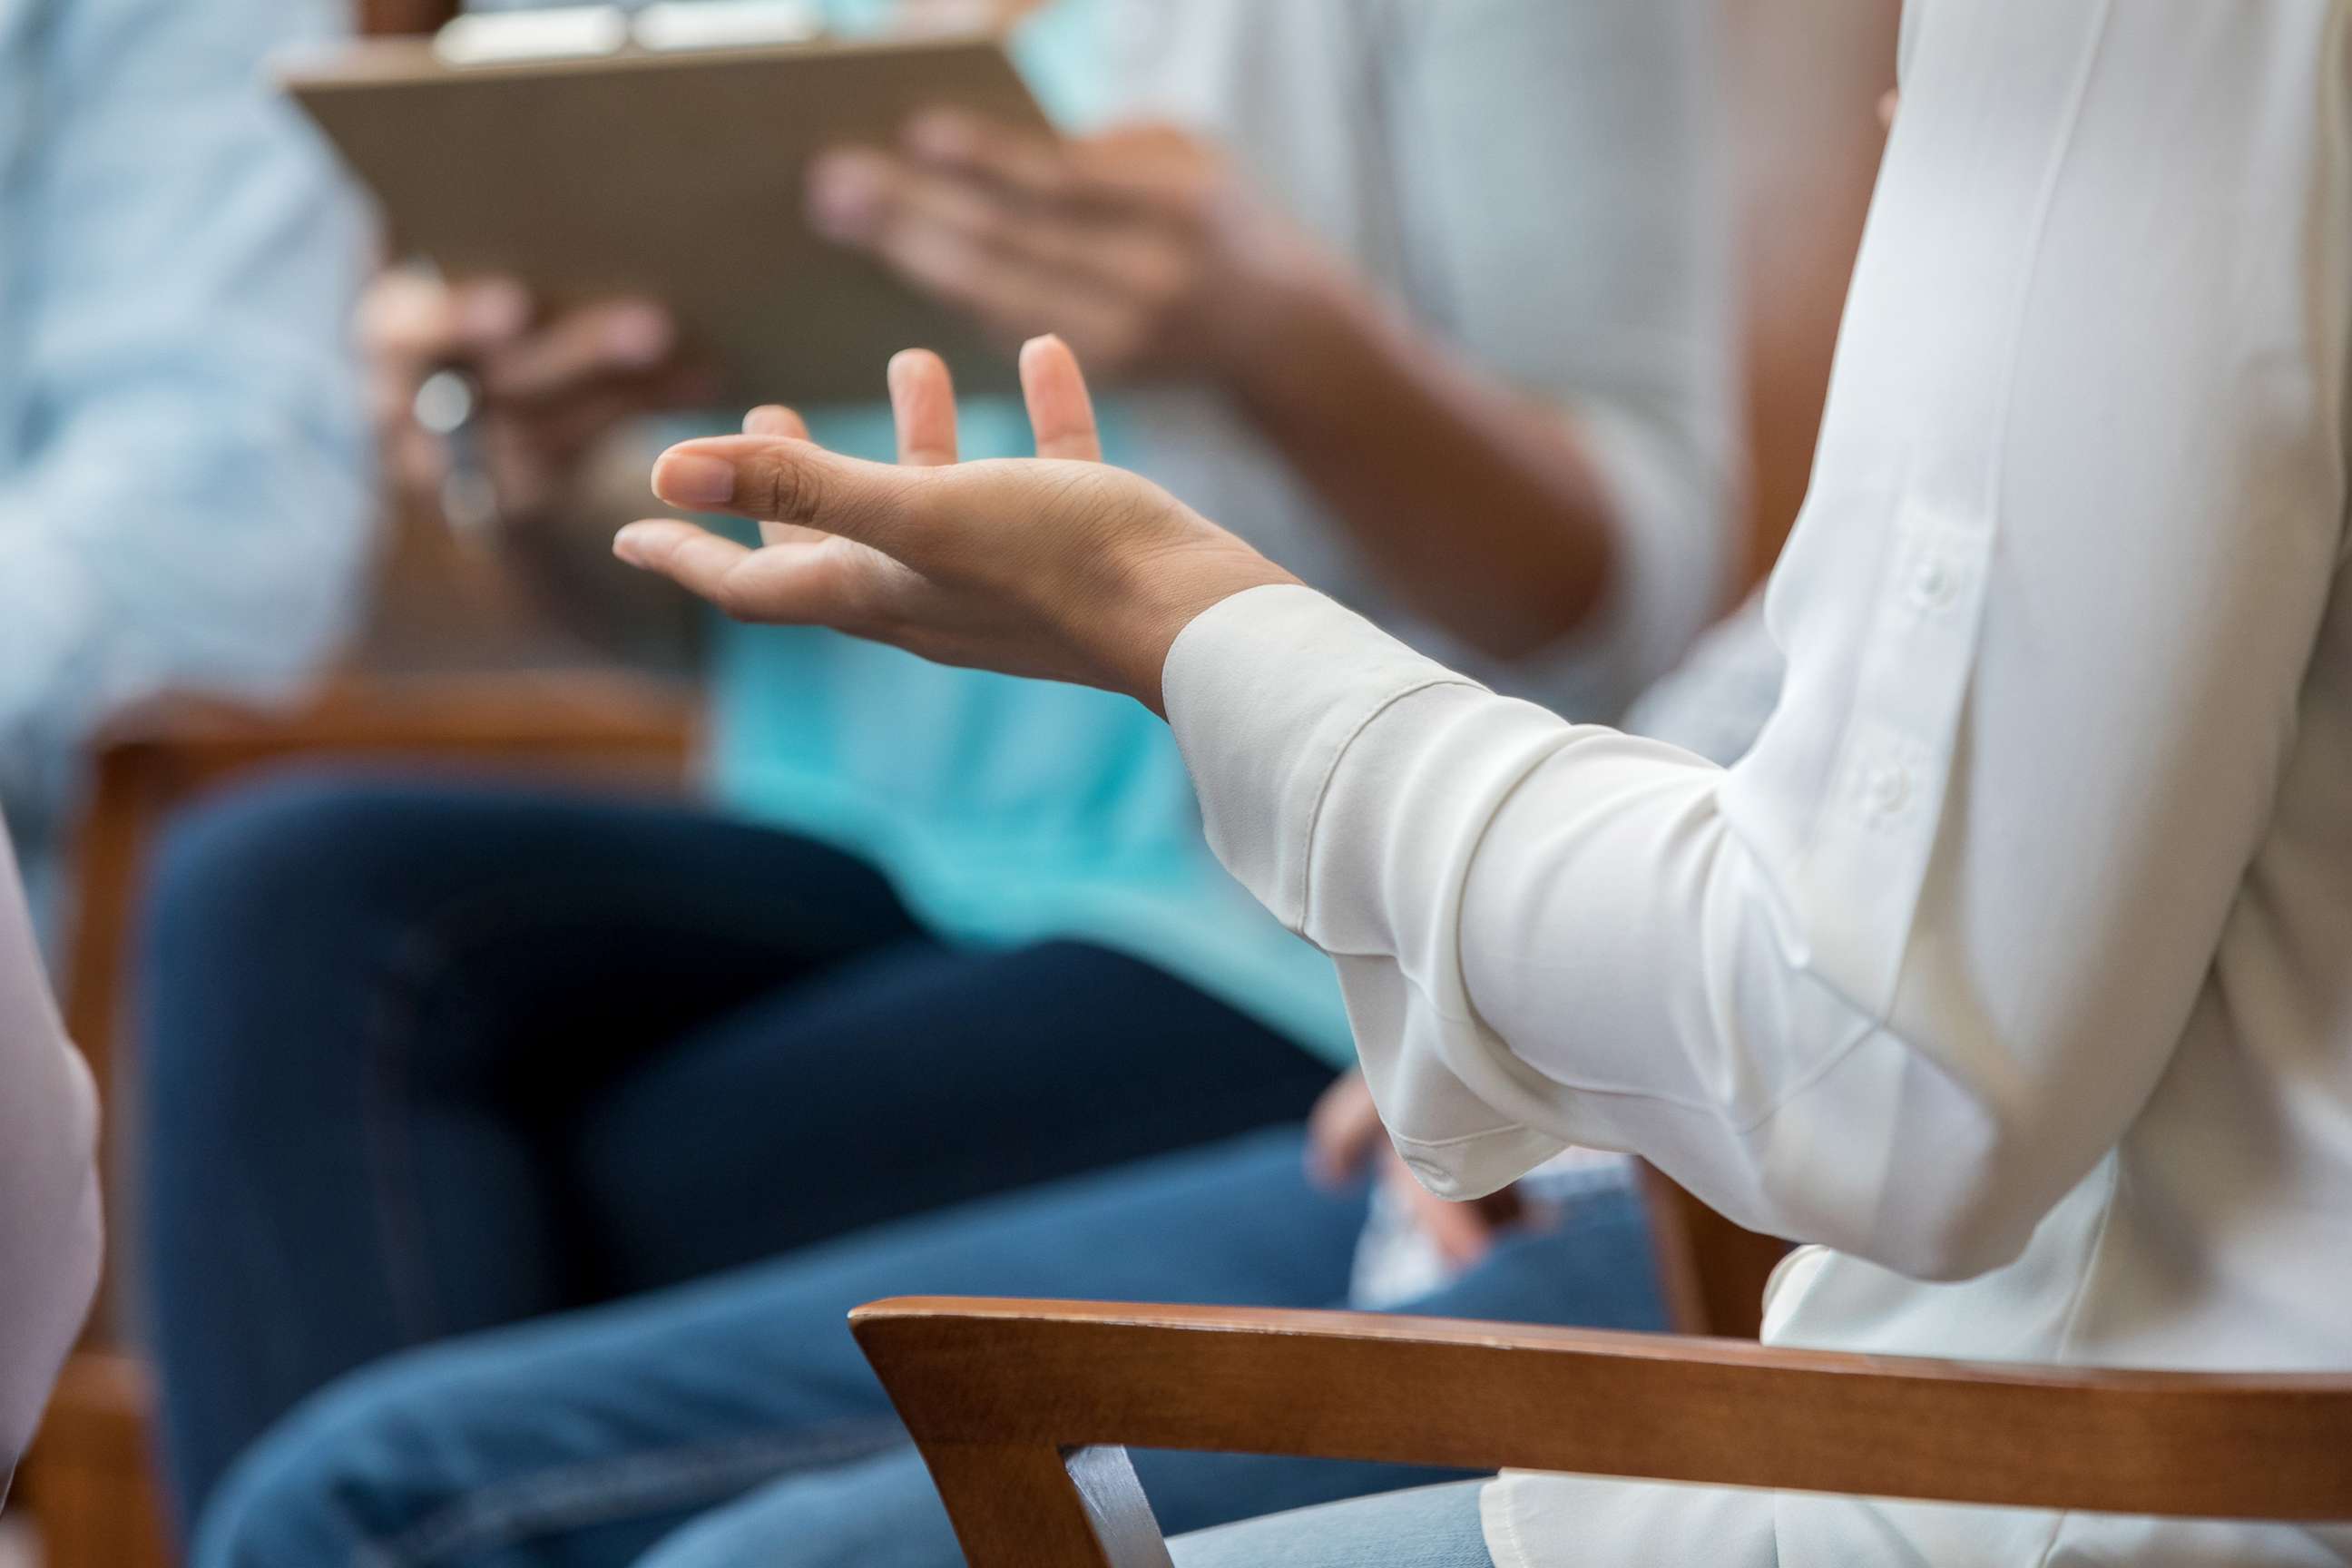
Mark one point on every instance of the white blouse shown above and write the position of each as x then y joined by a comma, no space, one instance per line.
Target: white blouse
2012,967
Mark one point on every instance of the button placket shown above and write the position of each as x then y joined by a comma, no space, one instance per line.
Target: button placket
1935,584
1888,789
1890,772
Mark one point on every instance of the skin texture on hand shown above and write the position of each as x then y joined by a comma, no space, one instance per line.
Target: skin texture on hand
1058,567
1140,246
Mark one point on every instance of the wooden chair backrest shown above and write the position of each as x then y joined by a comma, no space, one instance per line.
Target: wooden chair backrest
1025,1411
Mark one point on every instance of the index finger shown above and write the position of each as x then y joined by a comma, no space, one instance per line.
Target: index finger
612,338
769,479
1035,167
418,318
923,406
405,315
1061,410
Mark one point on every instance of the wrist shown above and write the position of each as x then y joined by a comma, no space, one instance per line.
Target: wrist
1302,323
1177,592
1271,314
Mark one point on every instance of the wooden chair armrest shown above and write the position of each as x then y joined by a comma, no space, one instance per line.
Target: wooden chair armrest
1024,1409
545,715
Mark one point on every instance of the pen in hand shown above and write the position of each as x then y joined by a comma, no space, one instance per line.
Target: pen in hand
450,405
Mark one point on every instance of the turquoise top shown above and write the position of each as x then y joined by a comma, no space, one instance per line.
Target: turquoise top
1004,811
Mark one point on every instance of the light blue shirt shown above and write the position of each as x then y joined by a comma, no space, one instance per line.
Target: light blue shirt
1006,811
1534,181
183,484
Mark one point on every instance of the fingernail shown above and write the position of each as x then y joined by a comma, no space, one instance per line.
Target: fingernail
688,478
902,365
626,544
773,420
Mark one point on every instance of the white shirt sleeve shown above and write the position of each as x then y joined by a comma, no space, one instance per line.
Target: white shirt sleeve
187,503
49,1247
1900,978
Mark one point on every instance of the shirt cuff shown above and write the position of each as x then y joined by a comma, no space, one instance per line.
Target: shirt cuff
1266,691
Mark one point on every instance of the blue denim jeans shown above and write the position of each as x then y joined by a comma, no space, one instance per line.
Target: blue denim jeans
425,1061
582,1124
734,1422
1428,1526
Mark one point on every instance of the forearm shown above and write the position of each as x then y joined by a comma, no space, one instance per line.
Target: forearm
1479,504
240,587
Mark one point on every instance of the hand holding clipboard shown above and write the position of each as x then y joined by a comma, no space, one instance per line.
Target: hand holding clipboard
1142,247
670,176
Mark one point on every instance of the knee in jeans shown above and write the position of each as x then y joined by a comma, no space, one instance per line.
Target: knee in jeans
880,1512
275,1510
335,1484
288,876
288,1501
260,855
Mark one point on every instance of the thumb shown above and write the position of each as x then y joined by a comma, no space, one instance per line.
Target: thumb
777,479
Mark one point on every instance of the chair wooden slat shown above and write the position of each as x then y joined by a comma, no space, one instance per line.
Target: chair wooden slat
1055,1378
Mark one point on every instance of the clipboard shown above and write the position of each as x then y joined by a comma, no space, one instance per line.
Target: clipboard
677,176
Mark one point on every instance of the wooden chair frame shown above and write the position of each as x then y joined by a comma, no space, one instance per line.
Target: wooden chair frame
1023,1411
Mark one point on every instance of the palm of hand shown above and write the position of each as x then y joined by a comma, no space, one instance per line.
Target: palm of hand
1057,567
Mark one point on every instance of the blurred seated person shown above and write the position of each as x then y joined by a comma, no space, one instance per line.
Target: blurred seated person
49,1241
1448,329
176,267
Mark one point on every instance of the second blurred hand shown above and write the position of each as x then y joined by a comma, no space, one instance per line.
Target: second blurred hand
450,405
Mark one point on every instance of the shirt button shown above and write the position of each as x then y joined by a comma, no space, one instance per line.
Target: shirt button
1935,586
1889,790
